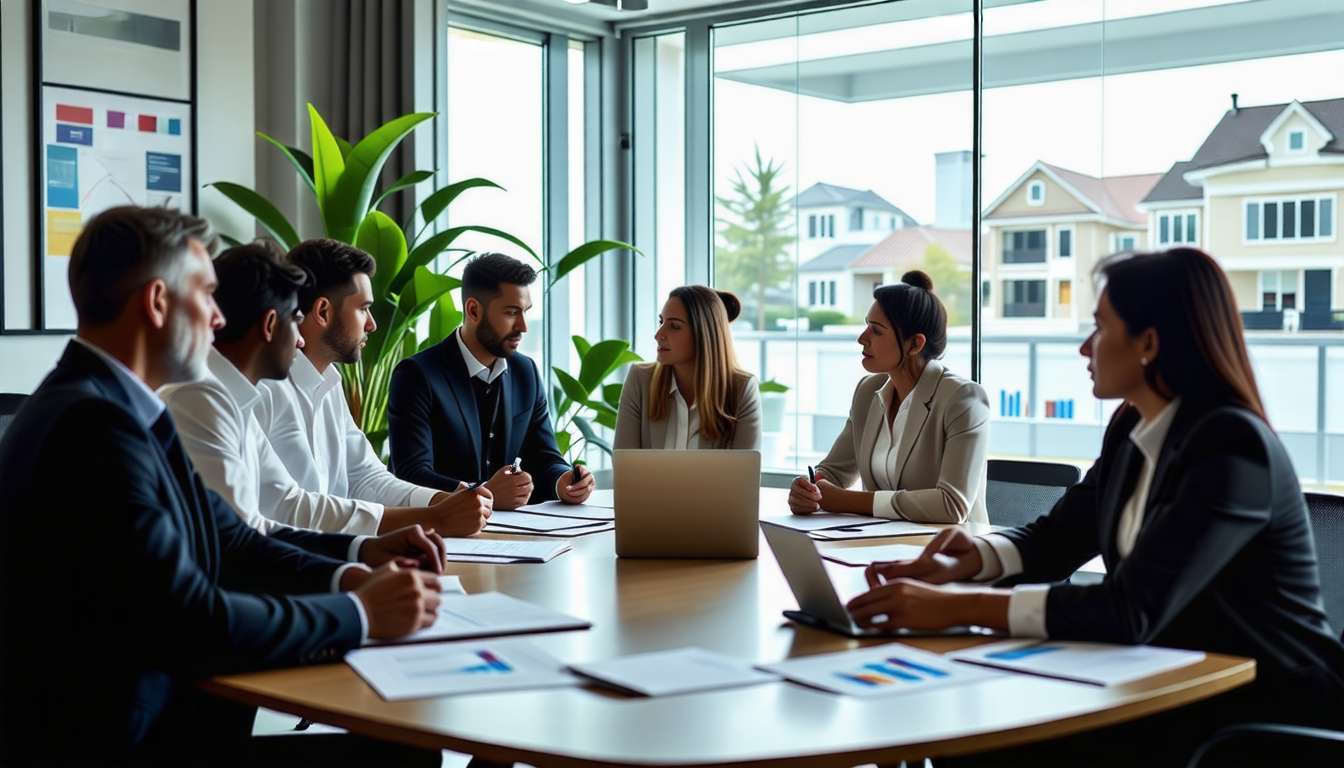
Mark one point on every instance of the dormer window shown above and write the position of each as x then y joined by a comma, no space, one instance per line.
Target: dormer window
1297,141
1036,193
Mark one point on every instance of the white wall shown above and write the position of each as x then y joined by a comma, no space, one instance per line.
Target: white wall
226,120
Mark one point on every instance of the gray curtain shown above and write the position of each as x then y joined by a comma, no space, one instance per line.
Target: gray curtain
371,81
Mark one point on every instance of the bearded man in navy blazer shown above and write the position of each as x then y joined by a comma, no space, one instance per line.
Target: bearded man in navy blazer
466,408
125,578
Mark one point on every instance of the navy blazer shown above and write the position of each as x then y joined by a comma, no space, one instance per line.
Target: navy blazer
1224,561
119,583
434,430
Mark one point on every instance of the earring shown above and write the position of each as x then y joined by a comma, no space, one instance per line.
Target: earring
1143,361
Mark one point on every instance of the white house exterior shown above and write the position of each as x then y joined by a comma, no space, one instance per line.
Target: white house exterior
1262,196
835,224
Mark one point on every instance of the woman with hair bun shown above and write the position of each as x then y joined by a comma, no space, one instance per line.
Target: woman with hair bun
694,396
917,433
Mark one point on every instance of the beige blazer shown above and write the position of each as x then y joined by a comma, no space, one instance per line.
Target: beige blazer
634,429
940,454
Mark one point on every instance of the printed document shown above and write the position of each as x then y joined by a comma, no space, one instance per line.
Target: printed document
1095,663
876,671
682,670
589,511
504,551
868,555
822,521
442,669
487,614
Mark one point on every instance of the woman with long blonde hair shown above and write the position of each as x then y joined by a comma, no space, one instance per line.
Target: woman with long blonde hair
694,396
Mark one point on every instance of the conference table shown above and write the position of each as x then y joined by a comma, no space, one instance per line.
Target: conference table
733,607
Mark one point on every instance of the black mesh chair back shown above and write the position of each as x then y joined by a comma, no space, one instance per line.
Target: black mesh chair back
1327,528
9,405
1018,492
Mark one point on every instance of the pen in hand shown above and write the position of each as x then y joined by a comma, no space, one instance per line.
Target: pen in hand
811,475
577,474
517,465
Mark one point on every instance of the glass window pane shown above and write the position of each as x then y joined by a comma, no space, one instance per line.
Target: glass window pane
1190,228
1327,227
506,148
1252,221
1289,218
1307,216
1271,221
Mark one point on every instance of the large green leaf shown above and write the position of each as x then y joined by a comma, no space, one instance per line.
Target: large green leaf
443,319
423,253
581,344
409,180
772,386
573,389
590,434
302,161
602,359
562,442
345,147
350,201
328,168
607,420
611,394
581,255
262,209
438,202
424,289
381,238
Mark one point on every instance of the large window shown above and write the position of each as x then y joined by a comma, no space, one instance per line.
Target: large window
1103,126
503,144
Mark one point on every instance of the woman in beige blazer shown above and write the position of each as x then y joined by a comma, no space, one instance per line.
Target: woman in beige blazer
917,433
695,396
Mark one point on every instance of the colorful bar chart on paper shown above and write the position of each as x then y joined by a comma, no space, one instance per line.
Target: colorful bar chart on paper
440,669
879,671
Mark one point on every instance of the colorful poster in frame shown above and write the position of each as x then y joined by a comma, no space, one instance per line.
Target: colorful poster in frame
101,150
115,124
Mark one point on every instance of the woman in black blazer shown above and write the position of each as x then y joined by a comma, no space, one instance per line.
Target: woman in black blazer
1193,505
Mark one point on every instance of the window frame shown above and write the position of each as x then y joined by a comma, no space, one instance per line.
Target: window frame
1296,201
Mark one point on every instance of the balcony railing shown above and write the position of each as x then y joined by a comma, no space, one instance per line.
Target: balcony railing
1040,395
1024,256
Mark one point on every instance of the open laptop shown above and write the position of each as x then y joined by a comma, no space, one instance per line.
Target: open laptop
819,605
687,504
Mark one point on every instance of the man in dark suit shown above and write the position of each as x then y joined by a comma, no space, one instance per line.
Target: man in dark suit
170,585
463,410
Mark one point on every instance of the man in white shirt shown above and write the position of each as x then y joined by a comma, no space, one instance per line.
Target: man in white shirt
258,294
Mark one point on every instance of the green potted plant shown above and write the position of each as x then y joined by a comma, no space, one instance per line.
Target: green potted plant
343,179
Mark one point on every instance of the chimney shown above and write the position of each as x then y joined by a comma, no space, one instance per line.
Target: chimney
1234,103
952,190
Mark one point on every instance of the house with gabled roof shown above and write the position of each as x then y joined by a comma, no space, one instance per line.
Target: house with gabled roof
835,225
1261,194
1043,236
843,278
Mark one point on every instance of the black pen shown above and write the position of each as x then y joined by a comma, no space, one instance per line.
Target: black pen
577,475
811,475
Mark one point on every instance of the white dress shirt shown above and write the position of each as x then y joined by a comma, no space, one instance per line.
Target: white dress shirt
883,464
309,425
215,419
684,422
1000,558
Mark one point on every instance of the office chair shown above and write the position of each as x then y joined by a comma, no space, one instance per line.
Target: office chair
1018,492
1327,528
9,405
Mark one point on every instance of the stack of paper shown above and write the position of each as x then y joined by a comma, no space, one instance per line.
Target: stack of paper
515,522
683,670
589,511
868,555
442,669
877,530
494,551
487,614
822,521
1095,663
883,670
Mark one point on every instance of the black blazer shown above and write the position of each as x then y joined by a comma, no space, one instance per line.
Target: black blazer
119,582
434,432
1223,562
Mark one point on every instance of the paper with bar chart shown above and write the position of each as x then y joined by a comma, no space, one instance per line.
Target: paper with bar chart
102,150
444,669
1095,663
883,670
